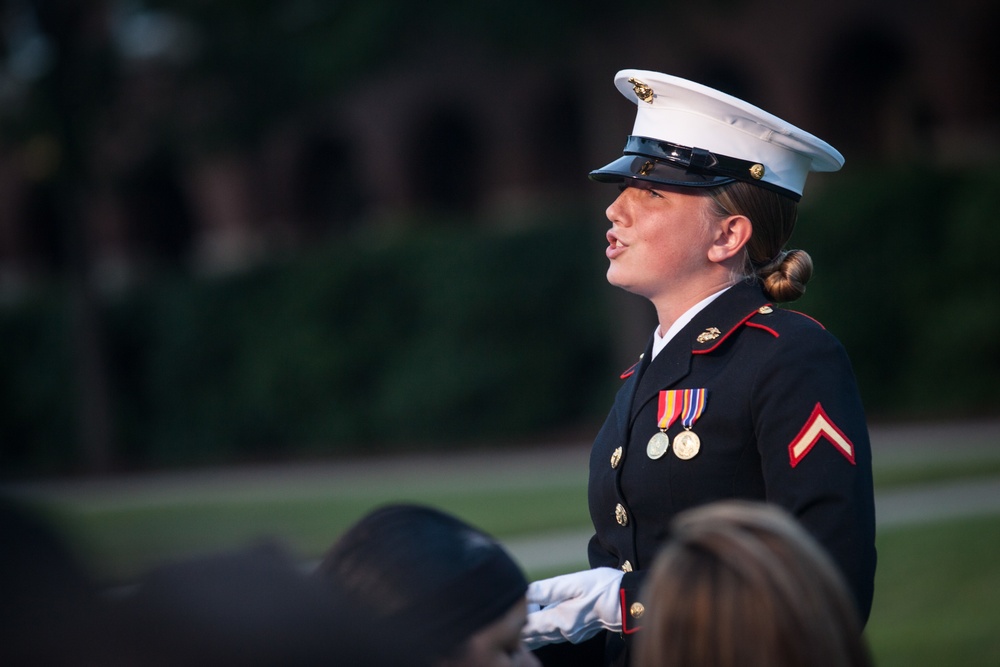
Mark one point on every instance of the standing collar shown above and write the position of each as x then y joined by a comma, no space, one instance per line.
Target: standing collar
660,342
715,324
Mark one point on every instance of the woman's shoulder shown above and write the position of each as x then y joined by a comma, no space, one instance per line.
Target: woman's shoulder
786,319
792,327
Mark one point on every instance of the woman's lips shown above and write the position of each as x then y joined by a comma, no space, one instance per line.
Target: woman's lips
615,246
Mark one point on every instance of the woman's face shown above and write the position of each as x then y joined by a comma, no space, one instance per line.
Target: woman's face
498,644
659,239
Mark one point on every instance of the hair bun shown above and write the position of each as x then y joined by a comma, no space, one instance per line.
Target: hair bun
785,276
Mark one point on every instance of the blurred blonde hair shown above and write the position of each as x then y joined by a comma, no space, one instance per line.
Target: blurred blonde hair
742,584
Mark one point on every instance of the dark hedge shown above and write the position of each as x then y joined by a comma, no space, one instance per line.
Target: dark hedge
444,335
427,338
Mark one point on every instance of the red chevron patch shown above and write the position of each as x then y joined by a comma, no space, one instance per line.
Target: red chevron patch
819,425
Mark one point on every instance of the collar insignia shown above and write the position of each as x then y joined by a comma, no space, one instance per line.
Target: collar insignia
708,334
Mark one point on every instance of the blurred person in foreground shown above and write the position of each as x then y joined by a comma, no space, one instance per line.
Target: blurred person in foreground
50,609
741,584
425,589
253,607
734,396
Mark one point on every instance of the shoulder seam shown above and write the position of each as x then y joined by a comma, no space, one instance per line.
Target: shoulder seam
808,317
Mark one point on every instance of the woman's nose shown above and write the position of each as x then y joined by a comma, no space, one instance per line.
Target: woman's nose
616,211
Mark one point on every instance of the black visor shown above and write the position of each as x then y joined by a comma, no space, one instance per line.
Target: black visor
655,161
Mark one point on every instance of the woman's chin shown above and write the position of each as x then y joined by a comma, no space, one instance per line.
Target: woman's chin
619,280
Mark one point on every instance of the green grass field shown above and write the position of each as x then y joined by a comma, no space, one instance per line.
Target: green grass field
937,595
120,542
937,598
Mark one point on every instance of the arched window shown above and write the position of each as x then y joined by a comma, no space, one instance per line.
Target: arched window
861,91
161,218
328,196
447,162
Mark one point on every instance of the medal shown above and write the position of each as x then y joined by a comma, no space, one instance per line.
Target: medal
687,444
668,409
658,444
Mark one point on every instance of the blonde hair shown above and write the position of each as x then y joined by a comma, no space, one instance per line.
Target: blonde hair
783,273
742,584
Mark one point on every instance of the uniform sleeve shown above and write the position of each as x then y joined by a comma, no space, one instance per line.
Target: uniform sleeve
633,607
811,432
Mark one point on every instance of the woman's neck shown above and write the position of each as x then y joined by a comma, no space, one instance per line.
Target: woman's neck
671,307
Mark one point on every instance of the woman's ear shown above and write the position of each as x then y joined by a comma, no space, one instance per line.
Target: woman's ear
732,233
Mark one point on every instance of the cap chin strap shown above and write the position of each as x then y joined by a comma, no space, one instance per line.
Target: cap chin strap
704,161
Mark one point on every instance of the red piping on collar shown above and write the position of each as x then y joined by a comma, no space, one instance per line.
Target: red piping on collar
727,334
630,371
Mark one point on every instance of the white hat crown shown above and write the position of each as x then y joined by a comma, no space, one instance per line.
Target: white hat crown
686,114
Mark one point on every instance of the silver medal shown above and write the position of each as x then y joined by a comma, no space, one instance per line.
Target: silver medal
658,445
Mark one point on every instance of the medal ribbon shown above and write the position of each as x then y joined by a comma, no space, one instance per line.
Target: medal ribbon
694,405
669,408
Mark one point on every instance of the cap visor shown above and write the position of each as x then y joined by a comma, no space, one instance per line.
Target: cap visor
653,171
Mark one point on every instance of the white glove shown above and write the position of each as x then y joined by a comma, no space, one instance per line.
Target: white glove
573,607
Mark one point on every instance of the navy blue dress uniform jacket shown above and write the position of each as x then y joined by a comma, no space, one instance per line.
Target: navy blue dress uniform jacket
783,422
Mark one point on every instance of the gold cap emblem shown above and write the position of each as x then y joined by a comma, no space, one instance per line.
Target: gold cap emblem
708,334
757,172
642,91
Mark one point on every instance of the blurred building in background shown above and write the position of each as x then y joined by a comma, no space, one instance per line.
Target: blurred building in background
137,135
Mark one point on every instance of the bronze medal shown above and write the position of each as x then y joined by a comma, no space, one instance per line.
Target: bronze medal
658,445
686,445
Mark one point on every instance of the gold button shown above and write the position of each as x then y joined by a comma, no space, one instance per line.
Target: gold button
765,310
627,566
616,457
636,610
621,516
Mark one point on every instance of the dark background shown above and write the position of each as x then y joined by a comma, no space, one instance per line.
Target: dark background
249,230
